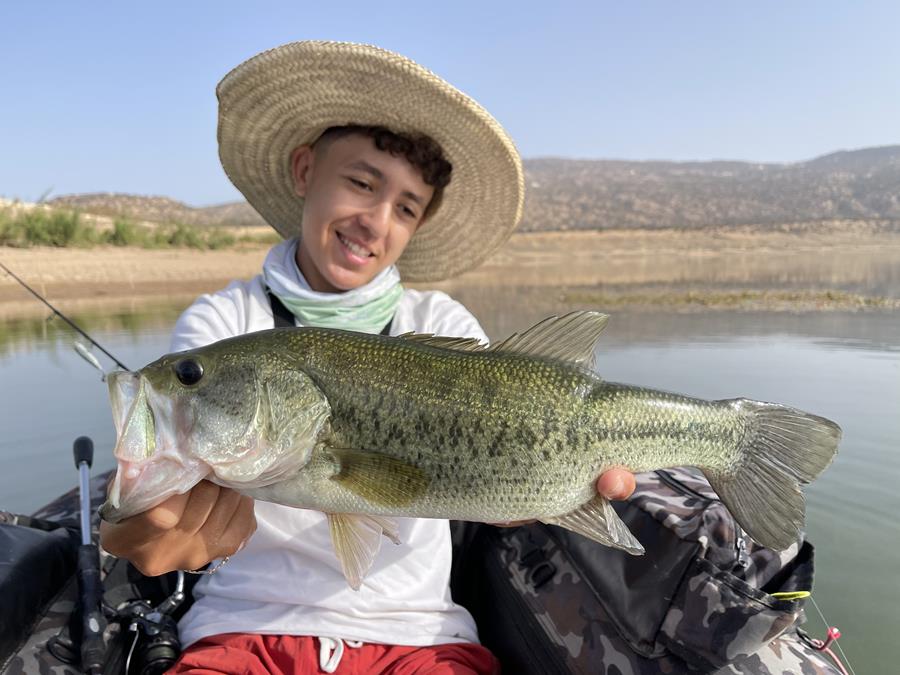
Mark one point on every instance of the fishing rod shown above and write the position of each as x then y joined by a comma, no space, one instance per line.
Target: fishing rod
154,628
63,317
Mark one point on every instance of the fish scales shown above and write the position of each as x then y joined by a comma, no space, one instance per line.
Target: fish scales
415,403
501,436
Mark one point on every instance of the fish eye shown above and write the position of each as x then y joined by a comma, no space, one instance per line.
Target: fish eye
188,372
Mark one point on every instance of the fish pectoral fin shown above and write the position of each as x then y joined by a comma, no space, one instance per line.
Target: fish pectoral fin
356,540
378,478
570,338
598,520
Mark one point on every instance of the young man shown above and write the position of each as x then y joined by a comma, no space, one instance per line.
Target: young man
348,152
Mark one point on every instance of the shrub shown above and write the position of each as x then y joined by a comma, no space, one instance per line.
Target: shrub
41,227
216,239
184,236
126,233
54,228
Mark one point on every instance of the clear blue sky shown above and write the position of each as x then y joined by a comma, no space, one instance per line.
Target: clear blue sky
119,97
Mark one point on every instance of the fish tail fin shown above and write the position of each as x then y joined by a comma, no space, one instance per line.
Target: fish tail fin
782,449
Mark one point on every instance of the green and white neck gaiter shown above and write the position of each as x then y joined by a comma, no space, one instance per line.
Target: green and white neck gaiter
366,309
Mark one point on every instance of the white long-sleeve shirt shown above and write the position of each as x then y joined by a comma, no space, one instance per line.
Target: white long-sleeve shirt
287,580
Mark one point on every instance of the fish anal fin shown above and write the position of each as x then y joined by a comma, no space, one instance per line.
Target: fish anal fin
356,540
379,478
597,520
570,338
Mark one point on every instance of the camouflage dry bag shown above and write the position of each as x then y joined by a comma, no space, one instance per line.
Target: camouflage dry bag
548,601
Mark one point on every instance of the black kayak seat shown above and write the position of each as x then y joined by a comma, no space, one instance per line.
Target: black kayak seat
36,559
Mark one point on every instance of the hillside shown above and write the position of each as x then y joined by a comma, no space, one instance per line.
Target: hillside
567,194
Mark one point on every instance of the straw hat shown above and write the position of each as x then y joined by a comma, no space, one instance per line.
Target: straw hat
288,96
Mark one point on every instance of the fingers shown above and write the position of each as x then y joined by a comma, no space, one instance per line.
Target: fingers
616,484
167,515
209,507
184,532
228,526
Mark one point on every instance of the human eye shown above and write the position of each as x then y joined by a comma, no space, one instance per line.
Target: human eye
408,212
359,183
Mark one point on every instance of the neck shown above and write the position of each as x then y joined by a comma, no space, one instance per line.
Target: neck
367,308
310,272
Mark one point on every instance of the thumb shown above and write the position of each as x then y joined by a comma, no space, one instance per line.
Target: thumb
616,484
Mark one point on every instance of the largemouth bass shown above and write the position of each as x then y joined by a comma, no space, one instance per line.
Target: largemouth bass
367,428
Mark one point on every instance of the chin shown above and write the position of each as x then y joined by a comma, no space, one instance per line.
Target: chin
349,281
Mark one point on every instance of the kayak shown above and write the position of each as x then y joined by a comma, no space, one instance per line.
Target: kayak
517,582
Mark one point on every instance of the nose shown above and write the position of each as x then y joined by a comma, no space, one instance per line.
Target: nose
377,218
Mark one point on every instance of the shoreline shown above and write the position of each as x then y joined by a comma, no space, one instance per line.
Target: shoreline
728,269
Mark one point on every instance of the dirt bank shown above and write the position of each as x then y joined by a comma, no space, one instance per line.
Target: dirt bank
840,267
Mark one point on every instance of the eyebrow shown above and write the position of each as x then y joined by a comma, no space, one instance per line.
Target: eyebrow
376,173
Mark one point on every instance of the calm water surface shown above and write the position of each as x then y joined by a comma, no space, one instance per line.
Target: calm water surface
843,366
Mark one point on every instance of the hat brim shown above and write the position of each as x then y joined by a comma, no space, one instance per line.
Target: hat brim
288,96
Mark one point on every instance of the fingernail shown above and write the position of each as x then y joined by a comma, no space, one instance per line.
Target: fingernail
618,487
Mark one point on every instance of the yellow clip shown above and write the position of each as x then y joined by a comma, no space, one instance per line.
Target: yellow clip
793,595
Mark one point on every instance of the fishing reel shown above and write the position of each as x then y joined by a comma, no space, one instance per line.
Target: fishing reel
154,644
154,639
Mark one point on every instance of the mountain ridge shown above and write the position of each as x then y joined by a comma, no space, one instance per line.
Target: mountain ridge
583,194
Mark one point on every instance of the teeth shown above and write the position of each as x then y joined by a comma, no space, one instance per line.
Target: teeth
355,248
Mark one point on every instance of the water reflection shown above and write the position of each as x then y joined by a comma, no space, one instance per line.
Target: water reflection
50,332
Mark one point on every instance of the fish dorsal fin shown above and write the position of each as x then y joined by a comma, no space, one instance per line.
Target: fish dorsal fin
570,338
458,343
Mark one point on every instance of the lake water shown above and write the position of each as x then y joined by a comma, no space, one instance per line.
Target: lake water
843,366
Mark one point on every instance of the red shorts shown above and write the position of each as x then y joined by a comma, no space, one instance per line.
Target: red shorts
247,654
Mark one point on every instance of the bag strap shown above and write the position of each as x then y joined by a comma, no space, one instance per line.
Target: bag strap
284,318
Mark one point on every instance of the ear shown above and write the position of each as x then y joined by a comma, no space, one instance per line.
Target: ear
301,168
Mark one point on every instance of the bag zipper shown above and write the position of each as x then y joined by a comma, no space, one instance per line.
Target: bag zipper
678,486
742,558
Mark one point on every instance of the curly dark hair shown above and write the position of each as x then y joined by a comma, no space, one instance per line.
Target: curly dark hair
422,151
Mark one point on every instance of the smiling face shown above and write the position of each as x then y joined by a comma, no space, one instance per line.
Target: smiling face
362,206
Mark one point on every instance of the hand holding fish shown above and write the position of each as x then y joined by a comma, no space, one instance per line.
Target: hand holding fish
186,531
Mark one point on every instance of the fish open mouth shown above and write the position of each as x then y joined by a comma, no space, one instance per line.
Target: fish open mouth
132,416
151,468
